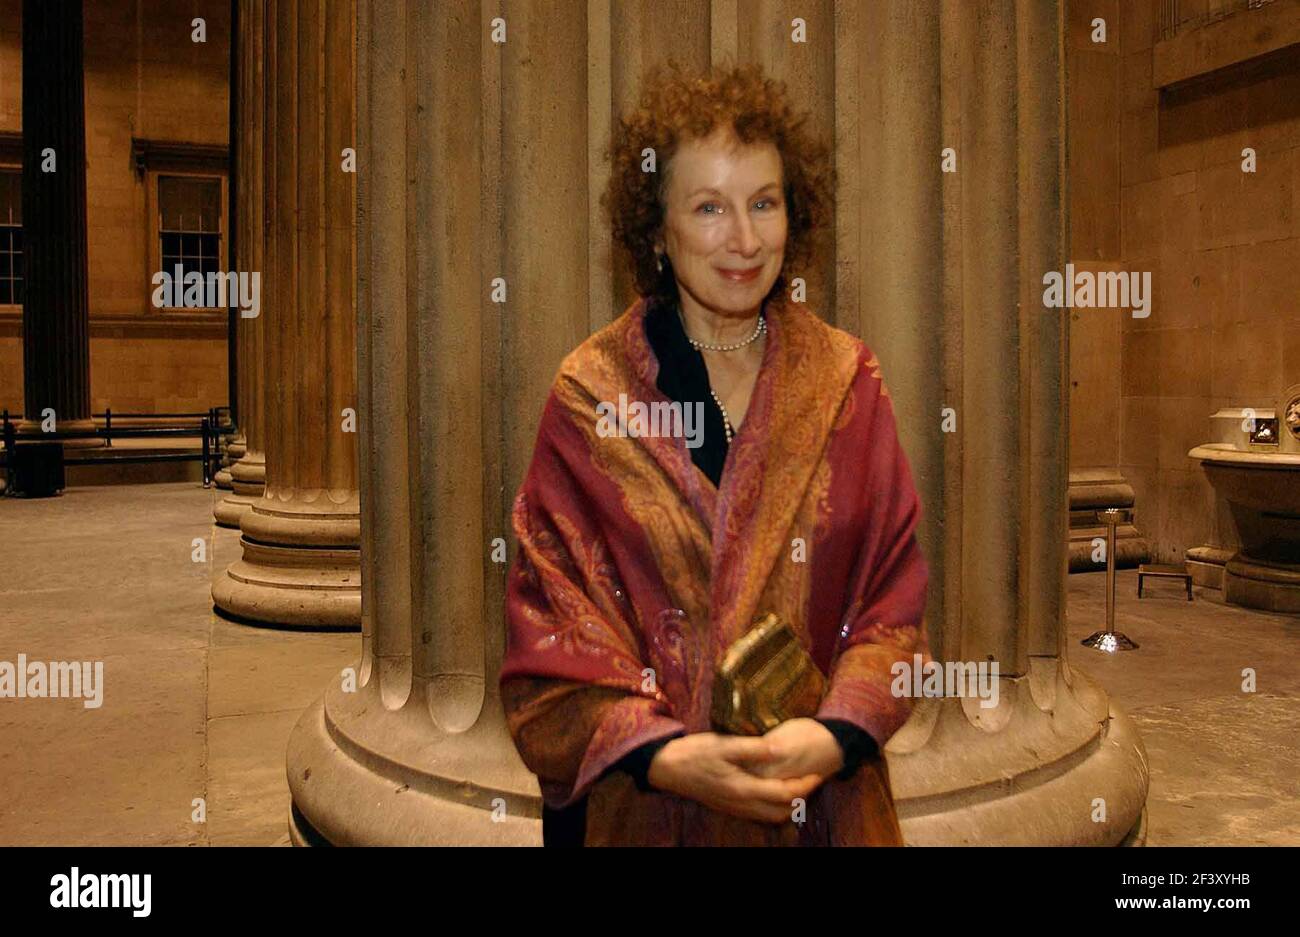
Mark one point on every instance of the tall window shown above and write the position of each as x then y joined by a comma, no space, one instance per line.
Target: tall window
11,238
189,223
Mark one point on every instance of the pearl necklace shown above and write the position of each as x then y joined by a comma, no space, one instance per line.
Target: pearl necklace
759,328
726,420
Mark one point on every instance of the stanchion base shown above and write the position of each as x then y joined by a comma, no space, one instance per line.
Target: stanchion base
1109,641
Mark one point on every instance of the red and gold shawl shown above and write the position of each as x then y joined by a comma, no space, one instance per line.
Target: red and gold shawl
634,574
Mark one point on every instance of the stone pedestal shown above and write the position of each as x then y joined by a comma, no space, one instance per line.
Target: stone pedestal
1262,491
301,538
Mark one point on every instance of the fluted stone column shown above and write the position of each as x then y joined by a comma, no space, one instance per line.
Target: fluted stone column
449,380
233,445
56,325
468,153
248,470
942,273
301,539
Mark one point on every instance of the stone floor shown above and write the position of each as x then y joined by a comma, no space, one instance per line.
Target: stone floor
194,706
199,707
1225,764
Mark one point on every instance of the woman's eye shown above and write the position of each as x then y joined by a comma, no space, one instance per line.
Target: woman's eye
768,202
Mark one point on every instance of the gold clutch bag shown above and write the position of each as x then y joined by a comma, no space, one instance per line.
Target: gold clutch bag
765,678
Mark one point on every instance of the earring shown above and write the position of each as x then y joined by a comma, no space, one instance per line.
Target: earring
660,260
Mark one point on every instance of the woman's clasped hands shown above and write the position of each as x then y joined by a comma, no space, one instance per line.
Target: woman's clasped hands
752,777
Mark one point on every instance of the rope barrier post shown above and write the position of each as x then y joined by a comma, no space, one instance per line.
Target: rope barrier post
206,455
9,452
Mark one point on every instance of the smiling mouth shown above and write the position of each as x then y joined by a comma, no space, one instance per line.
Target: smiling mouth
739,276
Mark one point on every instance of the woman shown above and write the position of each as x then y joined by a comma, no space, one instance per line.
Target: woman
642,557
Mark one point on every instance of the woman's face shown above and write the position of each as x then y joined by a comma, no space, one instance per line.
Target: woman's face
725,214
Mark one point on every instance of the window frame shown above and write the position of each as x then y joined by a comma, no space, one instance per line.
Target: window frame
155,158
153,209
11,160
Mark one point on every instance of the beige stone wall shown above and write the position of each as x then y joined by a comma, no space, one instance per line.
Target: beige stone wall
11,373
11,64
171,375
1093,99
144,78
134,373
1156,185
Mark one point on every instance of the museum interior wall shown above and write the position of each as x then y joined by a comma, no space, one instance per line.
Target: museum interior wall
146,80
1157,131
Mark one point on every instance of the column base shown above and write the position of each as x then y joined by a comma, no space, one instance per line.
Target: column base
1055,763
1092,490
301,565
1138,835
248,484
1131,548
294,587
1053,751
362,774
231,508
232,450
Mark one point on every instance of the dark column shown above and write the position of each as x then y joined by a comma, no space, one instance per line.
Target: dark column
56,336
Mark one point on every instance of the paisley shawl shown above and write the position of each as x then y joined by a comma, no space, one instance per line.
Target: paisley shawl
634,573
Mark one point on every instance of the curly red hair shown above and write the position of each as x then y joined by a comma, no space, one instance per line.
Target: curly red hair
676,106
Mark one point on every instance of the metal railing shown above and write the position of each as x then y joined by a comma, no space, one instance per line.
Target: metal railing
211,426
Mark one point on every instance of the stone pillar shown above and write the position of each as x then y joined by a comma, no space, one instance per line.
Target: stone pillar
964,253
233,445
462,150
301,539
449,388
248,470
56,326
